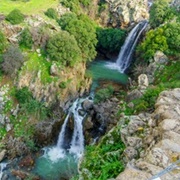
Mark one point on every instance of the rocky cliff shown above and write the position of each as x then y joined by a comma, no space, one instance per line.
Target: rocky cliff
122,13
154,138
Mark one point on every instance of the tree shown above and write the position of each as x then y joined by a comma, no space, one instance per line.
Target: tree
12,60
83,29
63,48
110,39
160,12
15,17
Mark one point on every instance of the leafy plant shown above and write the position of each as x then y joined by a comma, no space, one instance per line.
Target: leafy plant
29,105
103,94
109,39
63,48
15,17
51,13
102,161
26,38
83,29
3,42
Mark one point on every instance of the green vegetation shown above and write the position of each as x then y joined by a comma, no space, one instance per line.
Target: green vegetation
26,39
62,47
38,64
15,17
165,37
29,105
83,29
103,94
3,42
109,39
51,13
160,13
30,7
103,161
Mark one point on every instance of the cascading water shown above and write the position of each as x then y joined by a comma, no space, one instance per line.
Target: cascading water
2,167
59,162
125,55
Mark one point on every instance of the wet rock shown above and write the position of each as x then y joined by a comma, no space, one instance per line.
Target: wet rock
27,161
88,124
87,105
19,174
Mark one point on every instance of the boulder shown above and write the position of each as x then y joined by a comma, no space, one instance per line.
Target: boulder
133,174
2,154
143,82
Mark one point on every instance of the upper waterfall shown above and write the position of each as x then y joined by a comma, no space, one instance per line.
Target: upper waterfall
124,59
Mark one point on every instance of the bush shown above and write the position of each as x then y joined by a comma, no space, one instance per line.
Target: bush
154,41
105,160
160,12
51,13
109,39
12,60
15,17
103,94
83,29
3,42
30,105
63,48
26,38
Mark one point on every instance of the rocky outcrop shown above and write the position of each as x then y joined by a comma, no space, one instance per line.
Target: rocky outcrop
125,12
156,64
69,84
152,140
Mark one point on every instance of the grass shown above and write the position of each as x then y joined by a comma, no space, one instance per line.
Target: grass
31,7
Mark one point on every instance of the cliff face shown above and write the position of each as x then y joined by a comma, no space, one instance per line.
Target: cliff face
125,12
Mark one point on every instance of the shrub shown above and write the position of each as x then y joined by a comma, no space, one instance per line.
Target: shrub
26,38
103,94
51,13
63,48
15,17
3,42
30,105
83,29
105,160
109,39
160,12
12,60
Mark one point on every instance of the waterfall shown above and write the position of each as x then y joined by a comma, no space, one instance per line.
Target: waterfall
2,167
124,59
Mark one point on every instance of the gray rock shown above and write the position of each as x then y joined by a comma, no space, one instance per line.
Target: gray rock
87,105
135,94
130,153
2,154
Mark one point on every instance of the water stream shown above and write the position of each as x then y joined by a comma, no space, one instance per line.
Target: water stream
125,55
59,162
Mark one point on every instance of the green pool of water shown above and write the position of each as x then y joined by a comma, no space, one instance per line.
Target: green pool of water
56,165
104,70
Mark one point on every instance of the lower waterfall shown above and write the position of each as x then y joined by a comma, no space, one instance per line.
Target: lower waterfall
59,162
